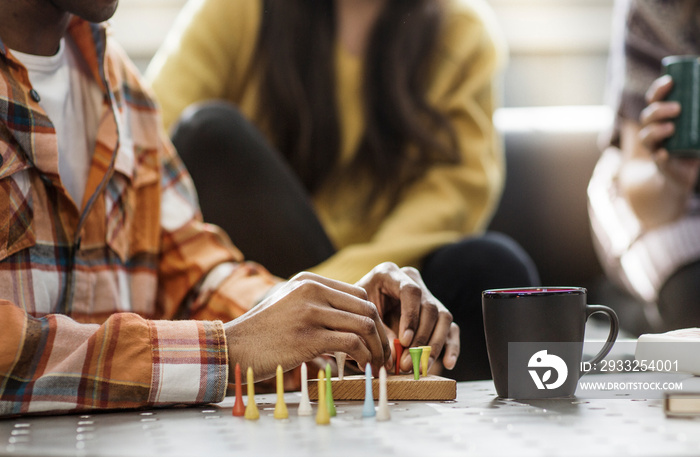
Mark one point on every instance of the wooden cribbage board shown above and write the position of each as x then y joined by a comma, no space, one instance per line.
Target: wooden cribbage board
399,387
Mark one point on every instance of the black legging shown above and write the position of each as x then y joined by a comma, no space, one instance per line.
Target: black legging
679,298
458,273
246,187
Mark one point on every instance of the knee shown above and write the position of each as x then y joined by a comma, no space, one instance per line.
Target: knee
506,255
678,298
492,260
205,120
216,135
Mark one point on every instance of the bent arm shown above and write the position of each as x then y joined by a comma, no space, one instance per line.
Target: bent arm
201,274
54,364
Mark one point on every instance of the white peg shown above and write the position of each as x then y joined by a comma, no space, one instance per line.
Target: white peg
304,404
340,361
383,409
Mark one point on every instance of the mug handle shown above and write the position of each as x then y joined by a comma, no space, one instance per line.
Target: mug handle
612,336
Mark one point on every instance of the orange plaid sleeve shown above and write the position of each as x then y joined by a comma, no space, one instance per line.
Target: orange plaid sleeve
56,364
89,299
190,249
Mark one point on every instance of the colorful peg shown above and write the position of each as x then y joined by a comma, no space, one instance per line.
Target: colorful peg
251,411
322,416
329,392
424,359
281,407
368,408
238,407
304,404
398,348
415,357
383,409
340,361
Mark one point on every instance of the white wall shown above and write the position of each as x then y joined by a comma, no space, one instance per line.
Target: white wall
141,25
558,50
558,47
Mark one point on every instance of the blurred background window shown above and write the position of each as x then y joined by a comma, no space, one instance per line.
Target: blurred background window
558,48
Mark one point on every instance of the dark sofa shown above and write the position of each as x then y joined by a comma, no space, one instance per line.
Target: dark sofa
550,156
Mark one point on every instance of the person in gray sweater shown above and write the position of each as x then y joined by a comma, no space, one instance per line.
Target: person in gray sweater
644,203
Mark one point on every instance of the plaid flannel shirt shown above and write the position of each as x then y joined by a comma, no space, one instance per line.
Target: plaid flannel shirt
88,294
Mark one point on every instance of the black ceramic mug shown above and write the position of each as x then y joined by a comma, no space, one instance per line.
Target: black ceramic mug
534,338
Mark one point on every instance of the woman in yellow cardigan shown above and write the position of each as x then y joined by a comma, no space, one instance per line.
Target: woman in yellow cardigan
349,132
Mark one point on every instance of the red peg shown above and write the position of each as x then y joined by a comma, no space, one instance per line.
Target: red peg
238,407
399,350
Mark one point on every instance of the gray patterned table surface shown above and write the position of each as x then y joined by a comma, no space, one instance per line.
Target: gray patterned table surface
476,423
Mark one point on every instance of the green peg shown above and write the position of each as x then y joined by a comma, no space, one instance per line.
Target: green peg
415,357
329,392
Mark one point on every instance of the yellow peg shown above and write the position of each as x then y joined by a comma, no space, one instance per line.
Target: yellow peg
424,357
322,416
251,411
281,406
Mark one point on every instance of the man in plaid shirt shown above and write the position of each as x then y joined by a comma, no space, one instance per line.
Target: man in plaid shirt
113,292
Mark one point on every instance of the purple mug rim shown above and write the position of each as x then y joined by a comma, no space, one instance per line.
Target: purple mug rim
534,291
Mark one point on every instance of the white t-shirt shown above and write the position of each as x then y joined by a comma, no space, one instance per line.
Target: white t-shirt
72,100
